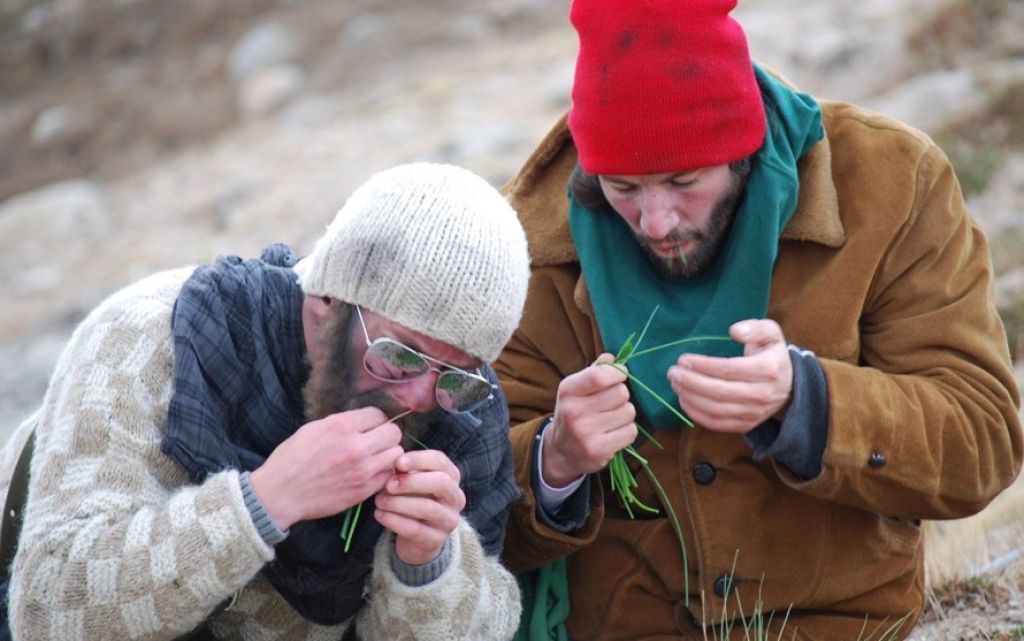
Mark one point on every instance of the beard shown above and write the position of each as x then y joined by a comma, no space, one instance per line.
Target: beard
708,239
331,385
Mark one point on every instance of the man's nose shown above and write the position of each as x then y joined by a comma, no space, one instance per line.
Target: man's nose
658,217
418,394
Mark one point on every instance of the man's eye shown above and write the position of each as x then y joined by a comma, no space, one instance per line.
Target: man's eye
624,189
683,183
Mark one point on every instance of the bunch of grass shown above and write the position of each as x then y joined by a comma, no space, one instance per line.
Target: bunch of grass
622,479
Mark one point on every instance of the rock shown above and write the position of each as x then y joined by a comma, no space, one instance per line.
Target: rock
265,45
1001,206
361,29
1010,289
47,227
60,124
931,100
267,90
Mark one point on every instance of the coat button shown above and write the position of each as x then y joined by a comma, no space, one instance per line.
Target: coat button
876,460
722,585
704,473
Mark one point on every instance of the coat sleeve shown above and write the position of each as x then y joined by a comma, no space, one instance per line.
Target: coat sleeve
474,598
554,339
115,544
926,426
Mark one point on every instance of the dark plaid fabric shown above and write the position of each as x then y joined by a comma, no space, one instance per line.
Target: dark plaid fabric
240,364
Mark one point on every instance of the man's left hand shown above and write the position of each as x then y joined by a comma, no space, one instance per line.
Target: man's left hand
737,394
421,504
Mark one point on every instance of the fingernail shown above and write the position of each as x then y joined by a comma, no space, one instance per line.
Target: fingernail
743,329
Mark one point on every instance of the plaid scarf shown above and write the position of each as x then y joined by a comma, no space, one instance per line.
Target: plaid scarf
240,365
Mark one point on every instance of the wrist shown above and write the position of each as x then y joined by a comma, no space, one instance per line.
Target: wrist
269,530
278,507
555,469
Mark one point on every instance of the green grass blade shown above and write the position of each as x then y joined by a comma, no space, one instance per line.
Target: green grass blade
643,332
681,341
658,398
648,436
415,440
626,350
675,526
348,525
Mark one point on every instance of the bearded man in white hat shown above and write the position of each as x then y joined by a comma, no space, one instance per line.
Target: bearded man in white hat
259,449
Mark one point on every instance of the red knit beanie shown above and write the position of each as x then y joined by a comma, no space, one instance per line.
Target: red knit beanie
662,86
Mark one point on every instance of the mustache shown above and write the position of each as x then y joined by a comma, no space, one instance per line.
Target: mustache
674,236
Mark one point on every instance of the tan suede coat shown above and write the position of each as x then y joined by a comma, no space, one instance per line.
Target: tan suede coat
883,274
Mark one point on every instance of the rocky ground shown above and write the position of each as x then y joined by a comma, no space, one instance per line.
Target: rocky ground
137,135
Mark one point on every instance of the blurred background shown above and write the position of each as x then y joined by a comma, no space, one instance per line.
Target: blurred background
137,135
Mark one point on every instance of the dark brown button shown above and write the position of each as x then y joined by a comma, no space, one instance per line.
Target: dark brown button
722,585
876,460
704,473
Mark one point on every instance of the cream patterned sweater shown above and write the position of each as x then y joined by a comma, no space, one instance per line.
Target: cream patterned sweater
117,544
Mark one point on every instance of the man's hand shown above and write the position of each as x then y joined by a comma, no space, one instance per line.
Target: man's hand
737,394
593,421
327,466
421,504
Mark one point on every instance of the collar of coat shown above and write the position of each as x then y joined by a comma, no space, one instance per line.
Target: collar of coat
538,193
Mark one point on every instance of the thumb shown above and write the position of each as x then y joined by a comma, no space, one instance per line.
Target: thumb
756,334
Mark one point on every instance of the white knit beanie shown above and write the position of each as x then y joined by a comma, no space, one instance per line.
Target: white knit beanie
432,247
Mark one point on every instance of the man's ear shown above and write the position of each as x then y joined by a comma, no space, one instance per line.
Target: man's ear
316,310
320,306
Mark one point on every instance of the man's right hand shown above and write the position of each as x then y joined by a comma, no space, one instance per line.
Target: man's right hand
593,420
328,465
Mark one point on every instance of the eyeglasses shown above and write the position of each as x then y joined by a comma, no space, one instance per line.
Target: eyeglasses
457,391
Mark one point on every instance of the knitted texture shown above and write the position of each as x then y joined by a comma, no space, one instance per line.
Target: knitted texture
662,86
460,607
432,247
117,544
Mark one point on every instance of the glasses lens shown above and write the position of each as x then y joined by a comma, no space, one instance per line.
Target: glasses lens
459,392
392,362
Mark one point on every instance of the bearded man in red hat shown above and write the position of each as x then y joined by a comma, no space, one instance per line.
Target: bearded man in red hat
844,369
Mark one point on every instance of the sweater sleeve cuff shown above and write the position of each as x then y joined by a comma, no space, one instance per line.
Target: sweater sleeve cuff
417,575
798,441
271,533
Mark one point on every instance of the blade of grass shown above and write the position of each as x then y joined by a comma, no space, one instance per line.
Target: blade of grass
348,526
667,504
351,515
643,332
681,341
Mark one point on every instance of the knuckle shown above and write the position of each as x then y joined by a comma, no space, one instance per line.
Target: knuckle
631,432
630,412
622,393
571,413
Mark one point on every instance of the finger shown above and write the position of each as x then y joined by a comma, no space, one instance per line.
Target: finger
615,440
378,439
591,380
717,382
757,332
362,419
438,485
582,420
693,365
424,534
608,399
384,461
419,508
754,368
427,461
